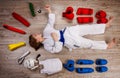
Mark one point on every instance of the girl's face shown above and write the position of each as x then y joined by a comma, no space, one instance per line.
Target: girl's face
38,37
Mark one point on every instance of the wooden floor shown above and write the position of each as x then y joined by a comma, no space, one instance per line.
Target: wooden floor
9,67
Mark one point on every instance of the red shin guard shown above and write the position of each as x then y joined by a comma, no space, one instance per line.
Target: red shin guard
83,20
20,19
14,29
84,11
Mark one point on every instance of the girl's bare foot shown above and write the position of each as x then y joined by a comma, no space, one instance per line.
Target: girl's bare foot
112,43
109,22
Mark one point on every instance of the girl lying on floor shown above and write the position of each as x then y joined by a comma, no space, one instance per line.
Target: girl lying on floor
71,37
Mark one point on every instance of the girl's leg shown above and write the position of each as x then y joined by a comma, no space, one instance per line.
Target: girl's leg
87,43
91,44
91,29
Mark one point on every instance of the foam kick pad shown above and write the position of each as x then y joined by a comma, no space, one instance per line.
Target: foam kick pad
83,20
69,65
14,29
21,19
84,11
100,14
102,20
68,13
16,45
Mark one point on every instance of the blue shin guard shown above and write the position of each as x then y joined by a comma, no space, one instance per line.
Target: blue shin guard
84,70
84,62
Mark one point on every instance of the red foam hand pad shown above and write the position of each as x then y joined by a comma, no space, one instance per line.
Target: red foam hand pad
84,11
68,13
102,20
84,20
14,29
21,19
100,14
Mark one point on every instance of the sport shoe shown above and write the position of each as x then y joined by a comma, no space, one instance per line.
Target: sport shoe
84,70
101,62
101,69
84,62
69,65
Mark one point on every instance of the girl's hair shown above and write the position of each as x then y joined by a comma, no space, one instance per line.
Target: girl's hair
33,43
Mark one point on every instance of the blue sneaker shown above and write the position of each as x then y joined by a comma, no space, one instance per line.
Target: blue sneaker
84,70
84,62
101,69
101,62
69,65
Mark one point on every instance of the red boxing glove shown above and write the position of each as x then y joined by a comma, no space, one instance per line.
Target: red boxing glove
69,10
69,16
84,11
68,13
21,19
82,20
14,29
102,20
100,14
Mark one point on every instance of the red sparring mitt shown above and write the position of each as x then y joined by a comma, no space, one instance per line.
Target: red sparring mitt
84,11
100,14
14,29
68,13
21,19
102,20
83,20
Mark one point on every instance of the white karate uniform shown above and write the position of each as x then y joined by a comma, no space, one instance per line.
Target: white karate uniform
51,66
73,36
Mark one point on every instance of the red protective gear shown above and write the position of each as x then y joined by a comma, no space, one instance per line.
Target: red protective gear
102,20
68,13
100,14
14,29
21,19
84,11
68,16
69,10
83,20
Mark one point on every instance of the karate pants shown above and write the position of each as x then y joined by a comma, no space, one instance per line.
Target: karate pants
79,31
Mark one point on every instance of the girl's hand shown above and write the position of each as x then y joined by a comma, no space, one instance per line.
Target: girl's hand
48,8
54,36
